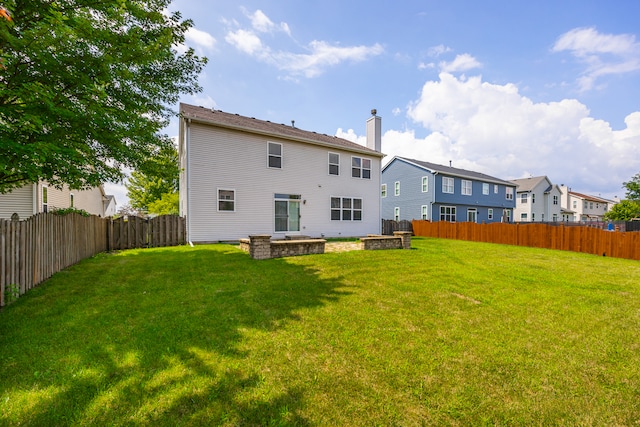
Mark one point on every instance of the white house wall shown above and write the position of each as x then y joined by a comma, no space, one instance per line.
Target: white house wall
237,161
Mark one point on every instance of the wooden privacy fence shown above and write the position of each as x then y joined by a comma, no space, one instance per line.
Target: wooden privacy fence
389,226
33,250
577,239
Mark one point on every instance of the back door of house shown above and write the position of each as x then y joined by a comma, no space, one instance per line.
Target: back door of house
287,213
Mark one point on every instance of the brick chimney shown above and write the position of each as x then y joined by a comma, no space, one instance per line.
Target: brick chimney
374,132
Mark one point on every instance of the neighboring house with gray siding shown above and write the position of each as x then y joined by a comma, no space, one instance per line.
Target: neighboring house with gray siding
242,176
414,189
32,199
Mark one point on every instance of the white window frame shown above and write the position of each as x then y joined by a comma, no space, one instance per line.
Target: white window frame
448,212
424,212
396,214
383,190
274,156
495,188
448,185
71,200
533,198
490,213
336,165
524,217
524,198
45,198
425,184
555,200
508,191
346,208
485,188
466,187
396,188
220,200
359,165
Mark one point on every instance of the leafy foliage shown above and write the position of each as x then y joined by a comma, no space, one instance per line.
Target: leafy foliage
624,211
168,204
85,87
66,211
160,178
633,188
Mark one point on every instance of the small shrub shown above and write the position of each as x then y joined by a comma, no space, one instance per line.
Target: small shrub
11,293
65,211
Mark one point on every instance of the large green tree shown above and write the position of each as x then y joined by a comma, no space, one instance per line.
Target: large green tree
624,211
86,87
633,188
157,181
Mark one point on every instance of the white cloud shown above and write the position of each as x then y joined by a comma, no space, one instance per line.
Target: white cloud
396,111
462,62
602,54
436,51
319,54
245,41
495,130
200,38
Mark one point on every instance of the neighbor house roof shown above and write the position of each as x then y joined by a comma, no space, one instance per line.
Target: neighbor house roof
590,198
528,184
451,171
265,127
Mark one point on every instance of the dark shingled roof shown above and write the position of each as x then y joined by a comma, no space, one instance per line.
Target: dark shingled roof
253,125
448,170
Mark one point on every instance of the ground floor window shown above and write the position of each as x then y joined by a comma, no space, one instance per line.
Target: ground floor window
287,213
346,209
448,213
396,214
425,210
490,214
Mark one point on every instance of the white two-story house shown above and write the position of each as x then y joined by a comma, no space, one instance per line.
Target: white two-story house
583,207
242,176
537,199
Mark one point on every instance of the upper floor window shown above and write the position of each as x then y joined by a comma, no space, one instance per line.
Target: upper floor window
383,190
360,168
397,188
509,193
524,198
485,188
495,189
425,184
466,187
447,185
334,164
275,155
575,204
226,200
555,200
533,197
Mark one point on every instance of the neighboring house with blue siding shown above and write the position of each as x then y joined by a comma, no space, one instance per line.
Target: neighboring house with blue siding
413,189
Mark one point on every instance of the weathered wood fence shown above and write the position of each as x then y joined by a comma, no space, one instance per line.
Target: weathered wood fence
33,250
569,238
389,226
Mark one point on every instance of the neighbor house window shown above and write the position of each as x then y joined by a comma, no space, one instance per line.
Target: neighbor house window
509,193
226,200
360,168
448,213
396,214
490,214
575,204
466,187
524,197
275,155
523,216
346,209
555,217
495,189
334,164
447,185
45,199
555,200
383,190
425,210
485,188
71,200
396,187
425,184
508,215
533,216
533,197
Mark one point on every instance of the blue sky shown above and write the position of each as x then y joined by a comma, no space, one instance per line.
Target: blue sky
508,88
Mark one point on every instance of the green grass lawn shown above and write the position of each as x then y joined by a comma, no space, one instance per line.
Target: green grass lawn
449,333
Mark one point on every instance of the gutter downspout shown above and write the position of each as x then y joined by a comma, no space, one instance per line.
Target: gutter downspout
187,124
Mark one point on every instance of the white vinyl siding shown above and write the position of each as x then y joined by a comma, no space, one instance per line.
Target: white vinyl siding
19,201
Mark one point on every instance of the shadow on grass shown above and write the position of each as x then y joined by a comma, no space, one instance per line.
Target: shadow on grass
157,337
